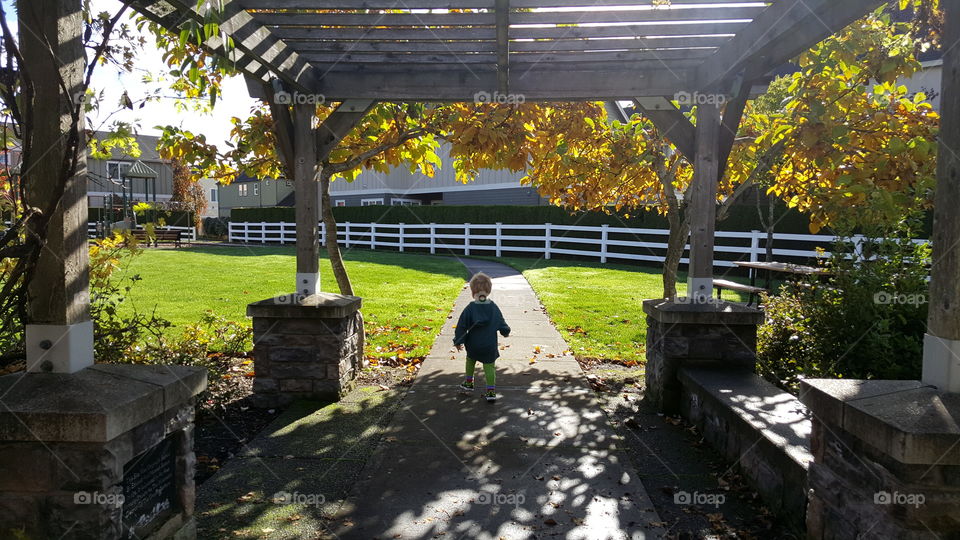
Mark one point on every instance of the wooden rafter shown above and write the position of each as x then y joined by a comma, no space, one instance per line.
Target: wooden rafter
571,50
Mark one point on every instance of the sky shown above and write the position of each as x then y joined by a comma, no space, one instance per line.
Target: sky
113,82
215,125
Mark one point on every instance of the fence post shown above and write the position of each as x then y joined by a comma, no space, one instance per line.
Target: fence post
263,232
546,241
754,246
433,238
373,236
400,236
604,234
246,232
323,233
466,239
499,234
230,232
346,233
858,247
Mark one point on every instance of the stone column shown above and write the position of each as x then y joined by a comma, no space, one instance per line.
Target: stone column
305,347
886,460
102,454
716,334
59,333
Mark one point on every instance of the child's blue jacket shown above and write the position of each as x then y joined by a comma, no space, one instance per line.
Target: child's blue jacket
477,330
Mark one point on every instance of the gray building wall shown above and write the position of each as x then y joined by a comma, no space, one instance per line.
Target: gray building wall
99,184
269,193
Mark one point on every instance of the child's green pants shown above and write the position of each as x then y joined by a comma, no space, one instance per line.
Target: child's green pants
489,371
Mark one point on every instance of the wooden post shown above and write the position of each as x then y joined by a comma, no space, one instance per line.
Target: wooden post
308,191
433,238
546,241
499,238
941,344
59,332
604,237
466,239
703,203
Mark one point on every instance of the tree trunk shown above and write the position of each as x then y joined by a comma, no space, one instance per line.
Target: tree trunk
333,248
679,231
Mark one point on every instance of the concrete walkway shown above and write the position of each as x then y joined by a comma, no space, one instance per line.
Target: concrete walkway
541,462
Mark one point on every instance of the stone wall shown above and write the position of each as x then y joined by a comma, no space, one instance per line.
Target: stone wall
762,430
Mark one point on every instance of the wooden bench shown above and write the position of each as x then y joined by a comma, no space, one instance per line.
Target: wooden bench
167,236
752,292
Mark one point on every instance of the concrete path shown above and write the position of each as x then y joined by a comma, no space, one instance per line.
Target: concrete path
541,462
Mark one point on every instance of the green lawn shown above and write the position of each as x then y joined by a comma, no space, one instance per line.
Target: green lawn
598,308
406,298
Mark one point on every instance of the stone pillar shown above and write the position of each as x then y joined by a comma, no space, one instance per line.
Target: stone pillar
102,454
886,460
305,347
679,334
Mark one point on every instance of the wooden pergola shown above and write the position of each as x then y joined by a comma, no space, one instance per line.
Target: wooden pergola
357,52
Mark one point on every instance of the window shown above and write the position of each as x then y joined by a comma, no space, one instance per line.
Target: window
340,202
256,189
370,202
117,169
400,201
242,188
213,194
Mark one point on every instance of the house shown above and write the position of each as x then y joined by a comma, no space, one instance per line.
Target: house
396,188
106,178
249,192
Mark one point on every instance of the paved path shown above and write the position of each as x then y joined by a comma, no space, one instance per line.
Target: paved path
541,462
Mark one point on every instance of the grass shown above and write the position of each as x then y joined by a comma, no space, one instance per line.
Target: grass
406,298
598,308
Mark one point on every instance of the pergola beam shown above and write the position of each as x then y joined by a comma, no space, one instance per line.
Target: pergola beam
779,33
253,41
503,46
676,127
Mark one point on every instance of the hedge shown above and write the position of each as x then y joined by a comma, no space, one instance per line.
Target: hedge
176,218
740,218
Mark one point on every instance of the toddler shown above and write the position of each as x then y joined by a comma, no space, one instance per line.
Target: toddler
477,330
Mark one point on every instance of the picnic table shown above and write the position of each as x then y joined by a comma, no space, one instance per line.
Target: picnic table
780,267
752,290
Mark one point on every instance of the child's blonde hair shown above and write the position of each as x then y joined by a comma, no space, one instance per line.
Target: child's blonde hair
480,285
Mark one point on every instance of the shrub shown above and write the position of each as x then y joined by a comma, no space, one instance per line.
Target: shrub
866,321
216,227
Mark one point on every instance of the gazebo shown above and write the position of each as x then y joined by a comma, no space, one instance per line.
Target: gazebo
357,52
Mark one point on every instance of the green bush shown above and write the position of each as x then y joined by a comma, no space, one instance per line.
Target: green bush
865,321
216,227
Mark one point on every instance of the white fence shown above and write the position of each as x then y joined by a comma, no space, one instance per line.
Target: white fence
191,231
604,243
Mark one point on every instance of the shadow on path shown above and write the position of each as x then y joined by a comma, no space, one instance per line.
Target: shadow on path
542,461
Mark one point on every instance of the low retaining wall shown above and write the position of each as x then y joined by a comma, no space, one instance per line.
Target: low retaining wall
760,428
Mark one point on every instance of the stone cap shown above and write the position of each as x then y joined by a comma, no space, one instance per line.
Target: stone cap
911,422
316,306
716,312
95,404
775,414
